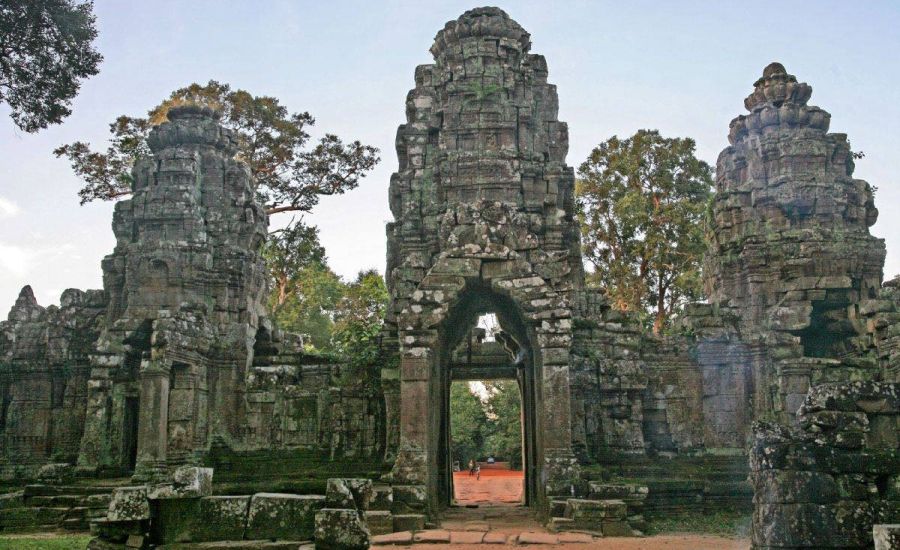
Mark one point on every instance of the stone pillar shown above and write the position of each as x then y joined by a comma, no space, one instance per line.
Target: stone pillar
560,468
412,455
153,421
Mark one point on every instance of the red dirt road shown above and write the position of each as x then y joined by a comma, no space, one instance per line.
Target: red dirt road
494,486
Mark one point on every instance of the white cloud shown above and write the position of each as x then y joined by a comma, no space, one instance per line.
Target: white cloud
8,208
20,260
15,259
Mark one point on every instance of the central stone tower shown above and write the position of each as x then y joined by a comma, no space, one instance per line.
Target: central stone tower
484,222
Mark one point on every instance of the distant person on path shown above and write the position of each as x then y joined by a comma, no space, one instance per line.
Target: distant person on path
471,467
477,471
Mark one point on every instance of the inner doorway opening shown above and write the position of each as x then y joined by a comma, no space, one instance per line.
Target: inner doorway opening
486,419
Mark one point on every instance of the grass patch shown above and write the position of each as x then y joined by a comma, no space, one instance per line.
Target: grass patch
44,542
725,524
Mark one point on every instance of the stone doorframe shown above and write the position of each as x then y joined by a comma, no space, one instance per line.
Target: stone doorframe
450,296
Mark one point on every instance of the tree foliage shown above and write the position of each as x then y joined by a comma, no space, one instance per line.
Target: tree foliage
290,175
46,50
468,424
359,318
641,202
504,437
486,425
290,252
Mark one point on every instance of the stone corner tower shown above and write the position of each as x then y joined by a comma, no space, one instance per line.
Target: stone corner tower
790,248
186,291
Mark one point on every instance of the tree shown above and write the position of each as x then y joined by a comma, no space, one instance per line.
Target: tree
641,203
468,424
290,176
504,428
46,50
289,252
309,309
359,318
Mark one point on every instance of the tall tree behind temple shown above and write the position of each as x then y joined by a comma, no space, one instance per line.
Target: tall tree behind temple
642,202
468,424
46,50
290,175
504,409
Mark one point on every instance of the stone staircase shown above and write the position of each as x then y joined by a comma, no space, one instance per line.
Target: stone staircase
681,484
52,507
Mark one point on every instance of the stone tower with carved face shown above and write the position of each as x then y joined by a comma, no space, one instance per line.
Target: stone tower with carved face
484,215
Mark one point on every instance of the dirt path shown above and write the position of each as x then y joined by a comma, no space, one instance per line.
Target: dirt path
496,486
667,542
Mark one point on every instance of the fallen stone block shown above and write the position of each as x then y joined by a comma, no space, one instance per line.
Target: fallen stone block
277,516
379,522
887,537
340,529
222,518
129,504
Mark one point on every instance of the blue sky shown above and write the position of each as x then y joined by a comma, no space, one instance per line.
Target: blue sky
682,67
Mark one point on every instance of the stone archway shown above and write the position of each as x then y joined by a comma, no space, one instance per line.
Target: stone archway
443,307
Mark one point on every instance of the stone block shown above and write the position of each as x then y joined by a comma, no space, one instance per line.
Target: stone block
379,522
129,504
340,529
282,516
56,474
840,525
222,518
382,498
409,498
349,493
409,522
886,537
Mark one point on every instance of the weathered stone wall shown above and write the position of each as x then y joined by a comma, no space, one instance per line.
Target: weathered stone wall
44,368
826,483
177,351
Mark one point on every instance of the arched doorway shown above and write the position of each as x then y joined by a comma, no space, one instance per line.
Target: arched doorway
476,300
439,313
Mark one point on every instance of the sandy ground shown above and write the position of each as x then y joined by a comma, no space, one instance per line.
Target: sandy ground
496,486
668,542
498,491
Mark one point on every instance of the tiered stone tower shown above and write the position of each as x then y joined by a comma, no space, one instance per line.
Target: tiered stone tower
484,221
186,290
790,246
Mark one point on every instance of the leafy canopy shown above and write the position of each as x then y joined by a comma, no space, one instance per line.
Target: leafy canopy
486,425
290,175
641,203
46,50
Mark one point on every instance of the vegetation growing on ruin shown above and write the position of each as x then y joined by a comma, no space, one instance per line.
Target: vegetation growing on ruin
275,144
642,203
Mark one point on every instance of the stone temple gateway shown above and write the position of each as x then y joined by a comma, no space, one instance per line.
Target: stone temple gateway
118,406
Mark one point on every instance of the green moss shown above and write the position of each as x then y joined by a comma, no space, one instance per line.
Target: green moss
727,524
44,542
